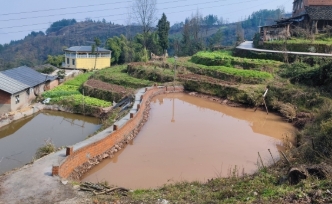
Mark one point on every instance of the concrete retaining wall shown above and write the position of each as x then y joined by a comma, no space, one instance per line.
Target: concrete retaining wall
96,146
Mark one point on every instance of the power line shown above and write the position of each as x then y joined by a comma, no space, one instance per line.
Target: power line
105,16
164,8
15,19
130,13
6,14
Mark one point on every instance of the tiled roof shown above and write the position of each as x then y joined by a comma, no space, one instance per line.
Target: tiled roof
85,49
319,12
15,80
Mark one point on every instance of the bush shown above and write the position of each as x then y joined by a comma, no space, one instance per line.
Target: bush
46,70
46,149
320,130
293,70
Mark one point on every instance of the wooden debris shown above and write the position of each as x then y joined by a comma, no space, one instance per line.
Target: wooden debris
100,189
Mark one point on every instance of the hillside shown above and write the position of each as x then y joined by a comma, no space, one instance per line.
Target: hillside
34,48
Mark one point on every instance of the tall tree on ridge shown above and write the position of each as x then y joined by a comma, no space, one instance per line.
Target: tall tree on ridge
163,29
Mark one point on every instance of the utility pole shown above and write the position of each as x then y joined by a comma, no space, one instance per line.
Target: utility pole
175,58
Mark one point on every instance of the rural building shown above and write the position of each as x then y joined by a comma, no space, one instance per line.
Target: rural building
19,86
82,57
311,15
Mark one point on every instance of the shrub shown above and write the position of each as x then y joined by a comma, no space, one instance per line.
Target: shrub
46,149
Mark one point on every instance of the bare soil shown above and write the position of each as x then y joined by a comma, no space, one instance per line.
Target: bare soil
106,86
202,78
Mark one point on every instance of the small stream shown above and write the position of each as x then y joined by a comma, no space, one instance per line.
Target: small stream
20,140
193,139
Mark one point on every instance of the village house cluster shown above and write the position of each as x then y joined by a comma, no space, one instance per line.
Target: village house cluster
20,86
311,15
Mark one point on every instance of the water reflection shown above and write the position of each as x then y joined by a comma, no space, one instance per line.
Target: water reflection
189,138
20,139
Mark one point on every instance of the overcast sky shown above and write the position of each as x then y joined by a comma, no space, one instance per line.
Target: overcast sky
19,17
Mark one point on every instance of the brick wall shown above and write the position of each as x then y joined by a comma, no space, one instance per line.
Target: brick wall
82,155
5,105
51,85
4,97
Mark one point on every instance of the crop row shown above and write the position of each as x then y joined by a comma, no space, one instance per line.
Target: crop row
69,92
228,73
225,58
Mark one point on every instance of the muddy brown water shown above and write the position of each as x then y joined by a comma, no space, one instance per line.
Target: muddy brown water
20,140
192,139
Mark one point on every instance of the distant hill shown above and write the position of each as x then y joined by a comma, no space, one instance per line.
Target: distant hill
35,47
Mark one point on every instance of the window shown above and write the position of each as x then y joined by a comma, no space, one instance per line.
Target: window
73,61
67,60
28,91
17,99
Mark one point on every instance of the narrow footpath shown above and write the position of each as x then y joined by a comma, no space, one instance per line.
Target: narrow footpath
249,45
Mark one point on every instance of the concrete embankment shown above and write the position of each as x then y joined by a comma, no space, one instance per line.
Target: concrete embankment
35,183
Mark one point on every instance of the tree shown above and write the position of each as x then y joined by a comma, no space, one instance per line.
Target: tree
55,60
114,45
94,46
163,29
215,40
185,39
56,26
144,12
209,21
239,33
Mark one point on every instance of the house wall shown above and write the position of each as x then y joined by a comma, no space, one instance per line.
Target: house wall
4,102
298,7
51,85
272,33
89,63
24,99
318,2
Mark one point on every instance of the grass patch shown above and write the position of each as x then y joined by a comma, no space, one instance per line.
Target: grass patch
264,187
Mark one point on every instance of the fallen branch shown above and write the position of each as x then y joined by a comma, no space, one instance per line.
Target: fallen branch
110,190
99,189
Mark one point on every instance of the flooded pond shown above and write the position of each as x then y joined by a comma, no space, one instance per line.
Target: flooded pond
20,139
193,139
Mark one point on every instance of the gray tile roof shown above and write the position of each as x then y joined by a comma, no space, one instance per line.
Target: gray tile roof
18,79
85,49
319,12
